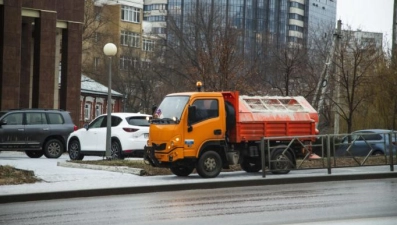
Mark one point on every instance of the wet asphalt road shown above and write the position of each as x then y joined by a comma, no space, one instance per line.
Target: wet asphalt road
343,202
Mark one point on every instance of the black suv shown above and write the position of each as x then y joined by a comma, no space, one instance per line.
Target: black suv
35,131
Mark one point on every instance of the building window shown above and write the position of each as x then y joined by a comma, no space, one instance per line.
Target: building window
295,16
148,45
96,63
98,110
98,12
97,37
155,7
130,14
125,62
158,30
297,5
155,18
129,38
294,27
87,111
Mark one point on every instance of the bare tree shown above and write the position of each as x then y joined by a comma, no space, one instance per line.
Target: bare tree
287,69
96,18
385,100
136,79
205,47
356,61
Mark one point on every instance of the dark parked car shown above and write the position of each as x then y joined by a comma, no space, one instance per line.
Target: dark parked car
37,132
367,142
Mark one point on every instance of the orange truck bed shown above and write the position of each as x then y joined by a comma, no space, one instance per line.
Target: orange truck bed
271,116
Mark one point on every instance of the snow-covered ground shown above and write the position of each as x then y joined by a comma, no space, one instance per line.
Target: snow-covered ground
58,178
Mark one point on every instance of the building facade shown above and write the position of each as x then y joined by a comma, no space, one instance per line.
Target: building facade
35,38
154,17
277,22
121,22
321,17
118,22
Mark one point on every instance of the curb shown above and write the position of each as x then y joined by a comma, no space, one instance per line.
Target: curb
189,186
119,169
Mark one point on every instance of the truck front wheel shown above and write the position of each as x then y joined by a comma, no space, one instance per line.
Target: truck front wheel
209,165
181,171
251,166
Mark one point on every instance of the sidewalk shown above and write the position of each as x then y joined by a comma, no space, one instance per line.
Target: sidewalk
65,182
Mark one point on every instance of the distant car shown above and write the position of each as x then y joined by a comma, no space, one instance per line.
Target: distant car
37,132
129,134
367,142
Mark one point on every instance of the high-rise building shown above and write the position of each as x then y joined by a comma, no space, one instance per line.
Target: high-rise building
364,39
154,17
274,21
320,18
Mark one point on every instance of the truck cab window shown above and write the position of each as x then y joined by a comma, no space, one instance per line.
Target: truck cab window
205,109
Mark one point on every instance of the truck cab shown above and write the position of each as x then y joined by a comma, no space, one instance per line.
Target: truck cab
184,126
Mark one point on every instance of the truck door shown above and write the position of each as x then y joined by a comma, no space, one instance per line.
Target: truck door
207,126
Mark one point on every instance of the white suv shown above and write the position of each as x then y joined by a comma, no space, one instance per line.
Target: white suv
129,134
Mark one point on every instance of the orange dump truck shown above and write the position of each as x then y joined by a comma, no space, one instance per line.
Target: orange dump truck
208,131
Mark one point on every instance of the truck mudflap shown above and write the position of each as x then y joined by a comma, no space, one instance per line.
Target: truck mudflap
148,154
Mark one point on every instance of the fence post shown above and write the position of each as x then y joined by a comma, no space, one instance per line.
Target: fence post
328,154
391,146
263,157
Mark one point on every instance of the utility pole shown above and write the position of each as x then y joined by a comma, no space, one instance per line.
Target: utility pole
322,86
337,90
394,41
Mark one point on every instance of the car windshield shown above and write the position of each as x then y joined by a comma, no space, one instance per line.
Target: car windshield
142,121
170,109
2,113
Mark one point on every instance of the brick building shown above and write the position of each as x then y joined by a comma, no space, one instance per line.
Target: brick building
93,100
36,36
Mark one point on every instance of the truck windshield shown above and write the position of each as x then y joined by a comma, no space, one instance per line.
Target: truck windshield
170,109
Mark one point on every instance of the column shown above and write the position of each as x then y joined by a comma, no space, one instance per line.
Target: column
71,70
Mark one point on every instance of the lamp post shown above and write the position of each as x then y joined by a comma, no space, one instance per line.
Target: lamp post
110,50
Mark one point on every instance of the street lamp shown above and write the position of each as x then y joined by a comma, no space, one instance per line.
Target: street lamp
110,50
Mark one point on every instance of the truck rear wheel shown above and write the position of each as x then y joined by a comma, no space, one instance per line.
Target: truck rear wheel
282,163
251,166
209,165
181,171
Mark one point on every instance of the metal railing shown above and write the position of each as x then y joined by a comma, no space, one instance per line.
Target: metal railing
331,151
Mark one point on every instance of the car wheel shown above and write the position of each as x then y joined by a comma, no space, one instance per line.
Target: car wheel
181,171
115,150
74,150
251,166
209,165
34,154
377,153
53,148
281,163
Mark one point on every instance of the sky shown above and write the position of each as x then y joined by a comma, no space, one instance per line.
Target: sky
367,15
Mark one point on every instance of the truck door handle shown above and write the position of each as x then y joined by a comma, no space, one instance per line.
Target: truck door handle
21,129
218,132
46,128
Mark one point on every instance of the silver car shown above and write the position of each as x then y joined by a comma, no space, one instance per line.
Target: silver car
367,142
